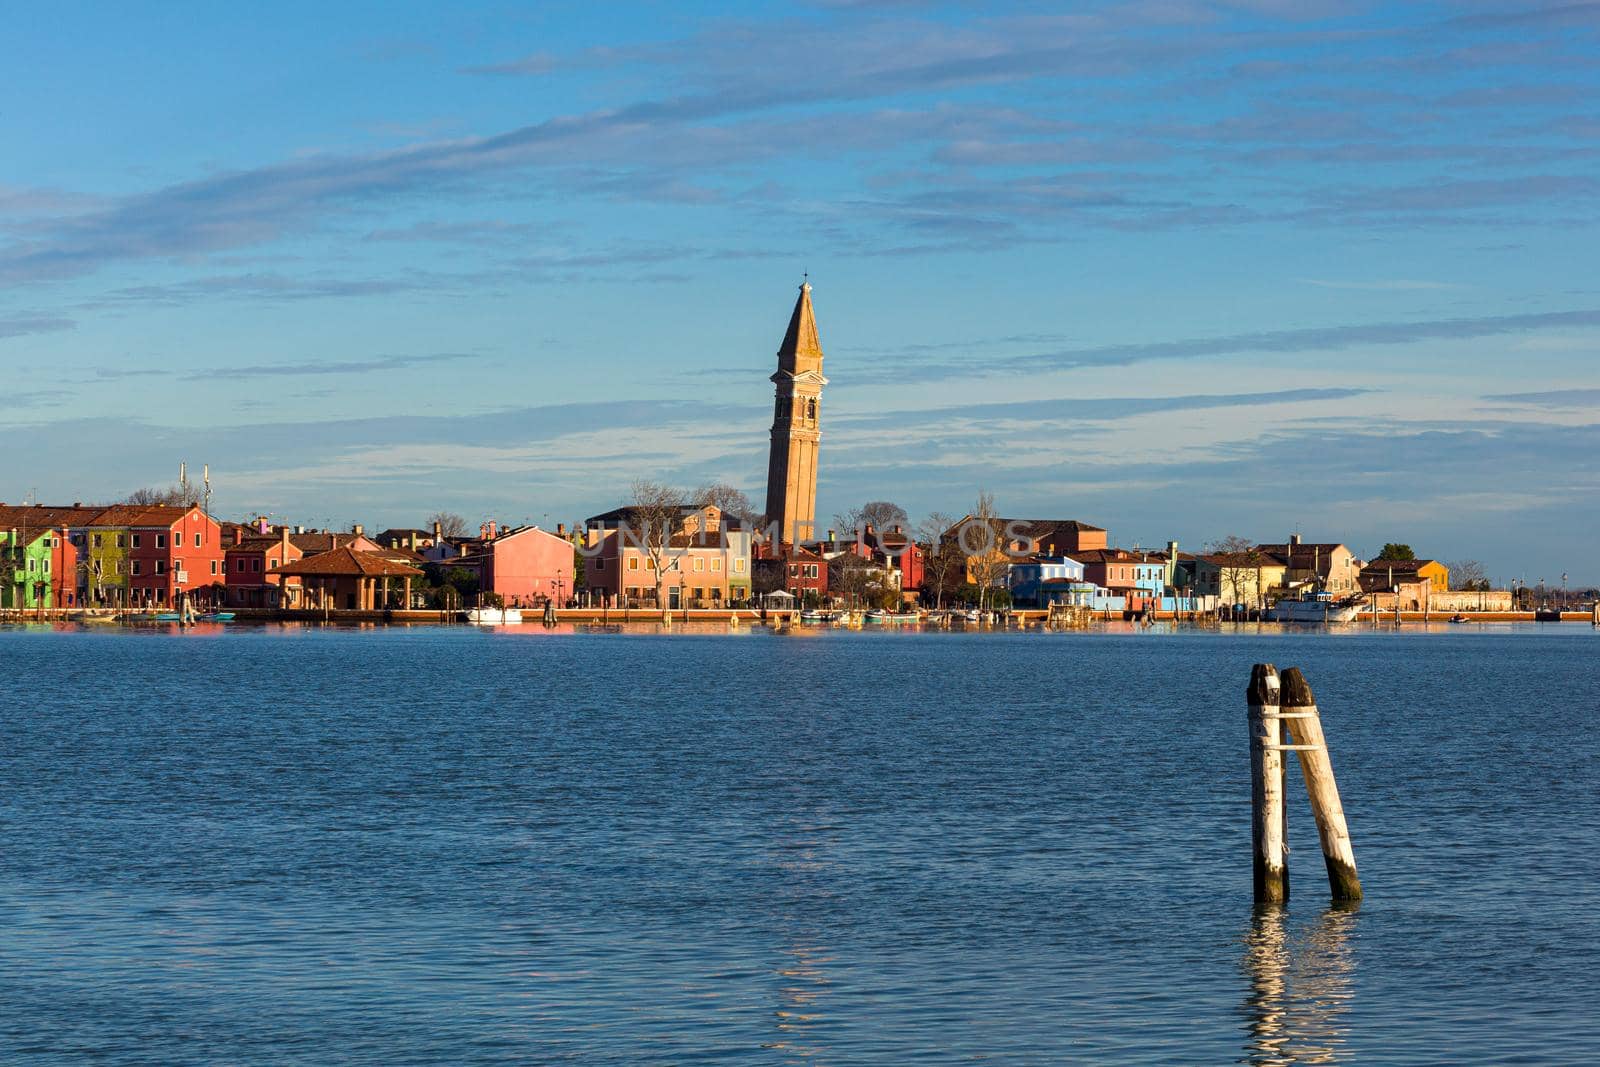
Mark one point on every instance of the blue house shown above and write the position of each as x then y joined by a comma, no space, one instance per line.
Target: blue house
1044,580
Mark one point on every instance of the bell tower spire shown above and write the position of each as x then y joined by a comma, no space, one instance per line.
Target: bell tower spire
796,433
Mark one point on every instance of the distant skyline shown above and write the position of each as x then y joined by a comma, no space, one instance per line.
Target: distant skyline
1179,269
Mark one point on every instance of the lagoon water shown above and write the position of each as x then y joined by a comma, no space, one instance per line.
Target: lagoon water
454,846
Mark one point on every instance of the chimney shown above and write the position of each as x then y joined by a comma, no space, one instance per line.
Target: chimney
283,545
77,503
357,529
494,529
238,536
1294,539
483,531
413,540
1172,550
438,534
561,529
297,529
830,537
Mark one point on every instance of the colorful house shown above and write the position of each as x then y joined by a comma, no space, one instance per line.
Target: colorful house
704,563
1045,580
1388,573
168,550
1326,565
800,571
524,566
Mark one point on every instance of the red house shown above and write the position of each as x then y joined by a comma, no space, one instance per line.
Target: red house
794,568
170,550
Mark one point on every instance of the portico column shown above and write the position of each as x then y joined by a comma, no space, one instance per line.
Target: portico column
407,605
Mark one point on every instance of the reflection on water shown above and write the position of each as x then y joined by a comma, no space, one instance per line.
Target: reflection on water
1300,986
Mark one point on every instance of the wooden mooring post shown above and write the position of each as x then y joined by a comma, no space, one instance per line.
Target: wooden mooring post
1270,867
1287,701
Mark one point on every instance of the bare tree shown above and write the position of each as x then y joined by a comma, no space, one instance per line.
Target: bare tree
450,524
981,540
732,502
1239,561
656,516
940,559
879,514
1468,575
180,495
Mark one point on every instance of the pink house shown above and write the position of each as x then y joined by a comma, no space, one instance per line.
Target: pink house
526,566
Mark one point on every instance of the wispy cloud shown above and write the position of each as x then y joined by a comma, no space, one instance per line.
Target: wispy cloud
319,367
1569,399
23,325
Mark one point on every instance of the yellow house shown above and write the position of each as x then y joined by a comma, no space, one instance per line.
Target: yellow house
1388,573
1239,577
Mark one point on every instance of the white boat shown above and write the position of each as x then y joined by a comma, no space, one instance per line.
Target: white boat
1317,608
495,616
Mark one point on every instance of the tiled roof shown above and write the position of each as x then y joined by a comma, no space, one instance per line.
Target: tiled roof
140,515
41,517
1398,565
346,562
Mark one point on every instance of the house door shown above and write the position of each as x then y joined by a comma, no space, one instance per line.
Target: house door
673,600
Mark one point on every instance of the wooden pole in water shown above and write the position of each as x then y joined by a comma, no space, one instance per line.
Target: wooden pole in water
1305,728
1270,870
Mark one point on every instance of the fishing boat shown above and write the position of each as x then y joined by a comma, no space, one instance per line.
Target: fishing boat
881,617
1317,607
495,616
217,616
1459,618
1547,615
818,617
168,616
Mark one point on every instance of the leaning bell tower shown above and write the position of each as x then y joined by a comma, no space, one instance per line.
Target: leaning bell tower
792,466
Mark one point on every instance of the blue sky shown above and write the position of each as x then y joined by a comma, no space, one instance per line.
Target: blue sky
1180,269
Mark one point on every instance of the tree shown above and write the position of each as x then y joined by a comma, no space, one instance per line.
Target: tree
732,502
180,495
1468,575
1238,562
657,515
941,560
1396,551
980,540
879,514
450,524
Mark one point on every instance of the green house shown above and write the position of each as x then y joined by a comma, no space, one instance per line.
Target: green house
25,578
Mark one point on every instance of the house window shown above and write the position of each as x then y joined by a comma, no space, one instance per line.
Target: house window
213,566
633,563
716,563
600,564
119,567
738,566
197,541
122,541
699,565
794,570
255,564
160,567
135,567
161,540
135,540
97,540
272,564
224,566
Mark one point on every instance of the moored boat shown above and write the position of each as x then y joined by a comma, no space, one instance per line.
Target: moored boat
495,616
1316,608
877,615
